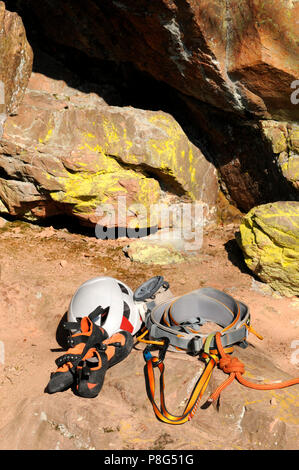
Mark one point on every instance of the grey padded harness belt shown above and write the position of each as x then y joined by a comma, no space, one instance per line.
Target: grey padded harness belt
179,319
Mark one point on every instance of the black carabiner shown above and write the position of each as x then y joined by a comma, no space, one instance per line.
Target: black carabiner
162,351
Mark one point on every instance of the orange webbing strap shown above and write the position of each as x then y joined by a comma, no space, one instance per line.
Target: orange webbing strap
198,391
234,367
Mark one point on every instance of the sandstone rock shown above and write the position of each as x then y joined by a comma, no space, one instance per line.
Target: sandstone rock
68,152
284,139
232,64
250,173
154,253
269,238
3,222
15,62
239,56
227,213
173,243
121,417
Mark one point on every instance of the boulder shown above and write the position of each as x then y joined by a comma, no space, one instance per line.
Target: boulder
269,238
238,56
16,59
284,140
153,253
228,68
69,152
251,169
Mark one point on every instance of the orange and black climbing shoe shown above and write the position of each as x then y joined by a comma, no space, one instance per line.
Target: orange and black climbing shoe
91,371
89,336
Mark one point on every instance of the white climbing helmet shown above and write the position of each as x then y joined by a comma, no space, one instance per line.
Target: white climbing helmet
116,298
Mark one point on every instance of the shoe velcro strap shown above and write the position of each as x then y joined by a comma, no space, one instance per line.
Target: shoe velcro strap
72,341
71,325
104,359
101,347
86,371
73,358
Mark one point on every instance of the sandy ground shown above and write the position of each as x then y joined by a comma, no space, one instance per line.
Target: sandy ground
41,267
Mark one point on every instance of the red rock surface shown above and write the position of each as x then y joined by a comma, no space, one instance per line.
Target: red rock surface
15,59
232,65
239,56
40,270
68,152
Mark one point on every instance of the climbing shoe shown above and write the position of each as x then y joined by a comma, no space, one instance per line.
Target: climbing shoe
89,335
119,347
91,371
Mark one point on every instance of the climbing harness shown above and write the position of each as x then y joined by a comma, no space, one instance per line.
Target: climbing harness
180,319
175,324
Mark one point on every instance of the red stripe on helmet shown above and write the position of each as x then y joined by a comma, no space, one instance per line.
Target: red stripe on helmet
126,325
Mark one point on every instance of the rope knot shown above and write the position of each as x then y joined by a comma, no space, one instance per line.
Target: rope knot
231,365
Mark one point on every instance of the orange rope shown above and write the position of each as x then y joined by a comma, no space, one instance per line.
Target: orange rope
235,368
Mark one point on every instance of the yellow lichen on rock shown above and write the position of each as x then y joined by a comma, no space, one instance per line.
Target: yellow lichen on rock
46,138
151,253
269,239
84,154
290,170
87,191
171,150
284,140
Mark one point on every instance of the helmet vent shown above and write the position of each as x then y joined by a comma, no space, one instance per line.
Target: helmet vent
127,310
123,289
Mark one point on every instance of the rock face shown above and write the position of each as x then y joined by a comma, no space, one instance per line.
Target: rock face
68,152
269,238
284,139
233,66
240,56
250,168
15,62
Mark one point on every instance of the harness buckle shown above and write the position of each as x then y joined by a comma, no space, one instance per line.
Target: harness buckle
164,348
195,345
243,344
